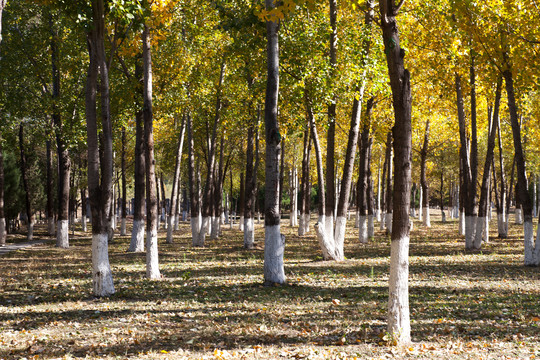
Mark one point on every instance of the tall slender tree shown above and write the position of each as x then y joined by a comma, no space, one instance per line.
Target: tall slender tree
175,192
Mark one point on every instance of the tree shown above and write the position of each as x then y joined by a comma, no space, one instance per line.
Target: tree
398,301
274,241
175,192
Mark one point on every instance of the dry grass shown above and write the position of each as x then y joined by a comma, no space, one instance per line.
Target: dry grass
211,302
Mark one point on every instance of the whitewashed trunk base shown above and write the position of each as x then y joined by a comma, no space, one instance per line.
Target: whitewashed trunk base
388,222
209,225
462,224
370,227
532,252
519,216
101,269
378,215
84,227
501,229
421,213
426,219
274,248
196,230
399,325
363,229
51,228
326,244
301,229
62,235
382,224
215,227
479,232
123,227
470,227
241,223
339,237
329,227
203,229
137,237
2,231
249,233
30,231
170,228
152,257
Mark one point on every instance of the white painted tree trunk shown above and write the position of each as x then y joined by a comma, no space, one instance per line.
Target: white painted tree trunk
209,226
62,235
177,220
203,229
170,228
426,219
137,237
388,222
2,231
382,224
470,231
84,226
51,228
443,216
258,218
30,231
486,230
326,244
462,224
479,232
241,223
399,325
249,233
215,228
196,230
532,250
101,269
370,227
420,209
363,229
152,257
274,271
122,227
519,216
339,237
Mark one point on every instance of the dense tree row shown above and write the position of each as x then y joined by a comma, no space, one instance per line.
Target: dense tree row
228,110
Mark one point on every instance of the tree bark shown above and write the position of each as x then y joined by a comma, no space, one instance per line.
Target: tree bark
303,227
138,231
193,192
274,241
173,212
389,193
423,179
24,175
64,162
99,167
363,181
251,182
51,227
124,185
398,301
532,250
152,260
481,232
2,210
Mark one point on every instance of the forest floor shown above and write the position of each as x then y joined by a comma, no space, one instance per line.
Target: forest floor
211,304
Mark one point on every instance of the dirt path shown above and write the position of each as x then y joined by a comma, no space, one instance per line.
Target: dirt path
12,247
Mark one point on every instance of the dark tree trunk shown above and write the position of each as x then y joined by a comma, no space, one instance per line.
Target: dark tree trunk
249,191
193,188
503,195
24,175
218,194
175,192
532,250
281,174
384,188
241,202
370,195
64,162
423,179
303,227
389,193
398,303
152,261
137,235
274,244
99,167
124,184
363,181
482,233
50,191
467,171
2,211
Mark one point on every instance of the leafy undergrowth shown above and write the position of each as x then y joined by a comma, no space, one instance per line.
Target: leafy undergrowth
211,303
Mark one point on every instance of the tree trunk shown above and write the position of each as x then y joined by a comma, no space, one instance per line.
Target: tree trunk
51,227
426,221
152,260
84,215
389,193
293,188
378,210
175,198
24,175
251,183
241,203
274,241
124,184
370,196
532,250
481,231
2,211
398,302
218,195
99,167
138,231
281,174
363,196
467,171
193,192
303,227
384,189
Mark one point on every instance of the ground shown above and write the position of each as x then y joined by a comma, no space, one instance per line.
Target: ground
211,304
